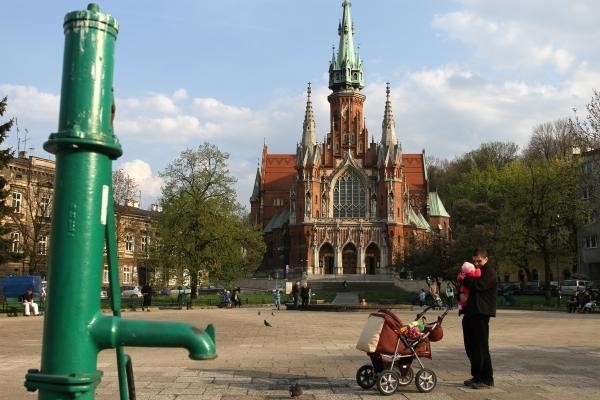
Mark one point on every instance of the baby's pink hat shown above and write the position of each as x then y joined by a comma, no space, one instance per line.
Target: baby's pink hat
467,267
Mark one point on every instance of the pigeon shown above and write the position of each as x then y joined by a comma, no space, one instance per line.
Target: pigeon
258,312
272,313
295,390
266,323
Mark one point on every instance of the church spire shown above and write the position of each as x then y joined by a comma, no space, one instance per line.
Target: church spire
388,127
309,130
346,71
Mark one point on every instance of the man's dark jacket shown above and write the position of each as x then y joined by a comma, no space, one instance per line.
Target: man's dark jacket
483,293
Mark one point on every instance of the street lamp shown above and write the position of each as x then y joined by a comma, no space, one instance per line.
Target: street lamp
557,262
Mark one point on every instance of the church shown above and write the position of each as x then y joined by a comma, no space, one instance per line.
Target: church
346,204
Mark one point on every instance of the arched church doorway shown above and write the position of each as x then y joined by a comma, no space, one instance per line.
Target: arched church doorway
326,258
372,258
349,259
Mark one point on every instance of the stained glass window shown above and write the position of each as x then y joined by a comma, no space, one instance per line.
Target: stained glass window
349,197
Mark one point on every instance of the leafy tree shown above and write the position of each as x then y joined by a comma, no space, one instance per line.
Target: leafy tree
537,196
202,228
427,256
5,156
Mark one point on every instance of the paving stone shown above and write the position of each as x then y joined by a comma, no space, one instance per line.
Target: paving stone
536,356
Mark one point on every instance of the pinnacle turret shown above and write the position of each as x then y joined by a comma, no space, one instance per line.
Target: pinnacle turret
390,151
388,126
309,130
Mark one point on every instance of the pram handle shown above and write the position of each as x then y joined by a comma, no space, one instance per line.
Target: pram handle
439,319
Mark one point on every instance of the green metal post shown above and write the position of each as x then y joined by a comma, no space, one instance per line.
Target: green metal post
75,329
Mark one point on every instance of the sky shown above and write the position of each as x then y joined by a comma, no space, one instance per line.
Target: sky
234,73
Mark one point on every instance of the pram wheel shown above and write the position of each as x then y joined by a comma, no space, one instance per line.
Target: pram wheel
388,382
365,376
425,380
407,378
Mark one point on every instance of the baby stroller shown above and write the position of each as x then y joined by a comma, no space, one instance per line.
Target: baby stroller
393,346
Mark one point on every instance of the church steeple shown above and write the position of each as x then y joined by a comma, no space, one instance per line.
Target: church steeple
388,126
309,130
346,70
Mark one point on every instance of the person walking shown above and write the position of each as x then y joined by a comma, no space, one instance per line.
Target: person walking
277,299
305,294
450,294
296,293
481,306
147,293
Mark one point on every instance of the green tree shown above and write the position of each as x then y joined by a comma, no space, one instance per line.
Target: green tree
5,156
202,227
537,196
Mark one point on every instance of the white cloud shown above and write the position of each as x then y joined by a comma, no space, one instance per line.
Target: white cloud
30,104
213,108
147,181
151,103
531,34
180,94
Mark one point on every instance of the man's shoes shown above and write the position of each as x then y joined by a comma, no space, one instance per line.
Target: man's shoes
482,385
469,382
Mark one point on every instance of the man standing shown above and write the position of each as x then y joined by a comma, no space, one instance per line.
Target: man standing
147,293
481,305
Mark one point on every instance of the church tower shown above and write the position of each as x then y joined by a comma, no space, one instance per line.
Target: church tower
346,79
343,205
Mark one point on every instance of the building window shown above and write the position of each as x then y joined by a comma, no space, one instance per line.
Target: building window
129,243
145,243
17,198
277,202
105,275
126,274
587,192
43,245
15,238
591,242
45,205
349,196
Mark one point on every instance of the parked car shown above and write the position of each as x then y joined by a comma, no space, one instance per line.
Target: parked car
177,290
568,287
533,288
131,291
593,287
210,289
513,287
104,294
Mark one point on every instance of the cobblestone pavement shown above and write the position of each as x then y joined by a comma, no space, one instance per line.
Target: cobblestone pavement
536,355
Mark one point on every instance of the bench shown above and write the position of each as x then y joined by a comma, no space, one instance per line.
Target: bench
13,307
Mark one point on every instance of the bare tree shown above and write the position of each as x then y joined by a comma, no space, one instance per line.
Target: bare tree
588,128
125,191
550,140
32,216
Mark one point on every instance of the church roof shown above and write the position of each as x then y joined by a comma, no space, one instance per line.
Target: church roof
277,221
278,171
256,191
414,169
436,207
417,219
